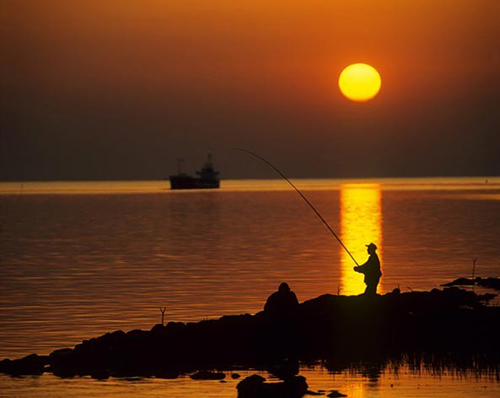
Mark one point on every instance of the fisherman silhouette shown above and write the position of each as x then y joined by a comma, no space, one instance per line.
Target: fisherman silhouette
281,303
371,270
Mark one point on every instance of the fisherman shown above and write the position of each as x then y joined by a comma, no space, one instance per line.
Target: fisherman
281,304
281,330
371,270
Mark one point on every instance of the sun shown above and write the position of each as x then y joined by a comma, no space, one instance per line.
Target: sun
360,82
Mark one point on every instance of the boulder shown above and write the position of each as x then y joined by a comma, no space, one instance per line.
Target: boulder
158,329
255,387
206,375
335,394
30,365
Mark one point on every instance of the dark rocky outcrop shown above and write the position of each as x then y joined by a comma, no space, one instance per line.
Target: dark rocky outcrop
30,365
340,327
206,375
255,386
335,394
489,283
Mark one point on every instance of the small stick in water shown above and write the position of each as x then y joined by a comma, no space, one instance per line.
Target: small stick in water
163,309
474,273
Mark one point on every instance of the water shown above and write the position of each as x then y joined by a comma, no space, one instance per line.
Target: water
81,259
388,383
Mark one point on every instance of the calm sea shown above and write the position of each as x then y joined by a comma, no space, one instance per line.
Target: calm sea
78,259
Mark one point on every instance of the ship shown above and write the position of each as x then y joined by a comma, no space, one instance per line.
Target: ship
208,177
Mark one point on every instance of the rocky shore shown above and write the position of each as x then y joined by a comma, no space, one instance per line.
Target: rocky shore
489,283
438,322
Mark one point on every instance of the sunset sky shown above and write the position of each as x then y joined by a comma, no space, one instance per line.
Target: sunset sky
118,89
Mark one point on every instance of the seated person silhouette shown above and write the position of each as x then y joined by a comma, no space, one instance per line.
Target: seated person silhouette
281,304
371,270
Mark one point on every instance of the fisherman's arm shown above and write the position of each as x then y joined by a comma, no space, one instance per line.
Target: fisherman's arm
362,268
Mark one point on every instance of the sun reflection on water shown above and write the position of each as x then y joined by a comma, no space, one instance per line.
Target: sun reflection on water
361,223
356,389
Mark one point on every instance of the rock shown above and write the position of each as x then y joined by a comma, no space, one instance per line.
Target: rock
460,282
165,374
487,297
336,393
137,333
100,375
250,386
255,387
61,361
173,327
29,365
158,329
450,320
5,366
297,384
205,375
235,376
60,354
64,373
492,283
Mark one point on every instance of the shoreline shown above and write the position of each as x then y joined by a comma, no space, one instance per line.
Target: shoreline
450,325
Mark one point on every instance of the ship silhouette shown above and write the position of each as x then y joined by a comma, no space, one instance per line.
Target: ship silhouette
208,177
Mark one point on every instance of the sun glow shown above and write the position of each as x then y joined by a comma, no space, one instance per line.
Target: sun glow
360,82
361,224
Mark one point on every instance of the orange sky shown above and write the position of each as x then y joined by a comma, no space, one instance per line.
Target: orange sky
192,74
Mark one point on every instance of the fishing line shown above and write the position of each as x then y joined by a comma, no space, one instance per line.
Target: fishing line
303,197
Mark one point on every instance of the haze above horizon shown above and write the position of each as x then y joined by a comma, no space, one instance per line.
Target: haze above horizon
96,90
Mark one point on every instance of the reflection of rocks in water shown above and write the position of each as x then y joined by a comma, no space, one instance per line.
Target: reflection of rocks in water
373,374
371,370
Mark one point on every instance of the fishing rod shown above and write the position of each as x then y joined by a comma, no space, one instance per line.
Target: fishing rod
303,197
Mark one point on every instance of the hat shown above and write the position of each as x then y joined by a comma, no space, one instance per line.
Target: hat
372,245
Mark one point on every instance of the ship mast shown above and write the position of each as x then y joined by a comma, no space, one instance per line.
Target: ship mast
209,163
180,161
